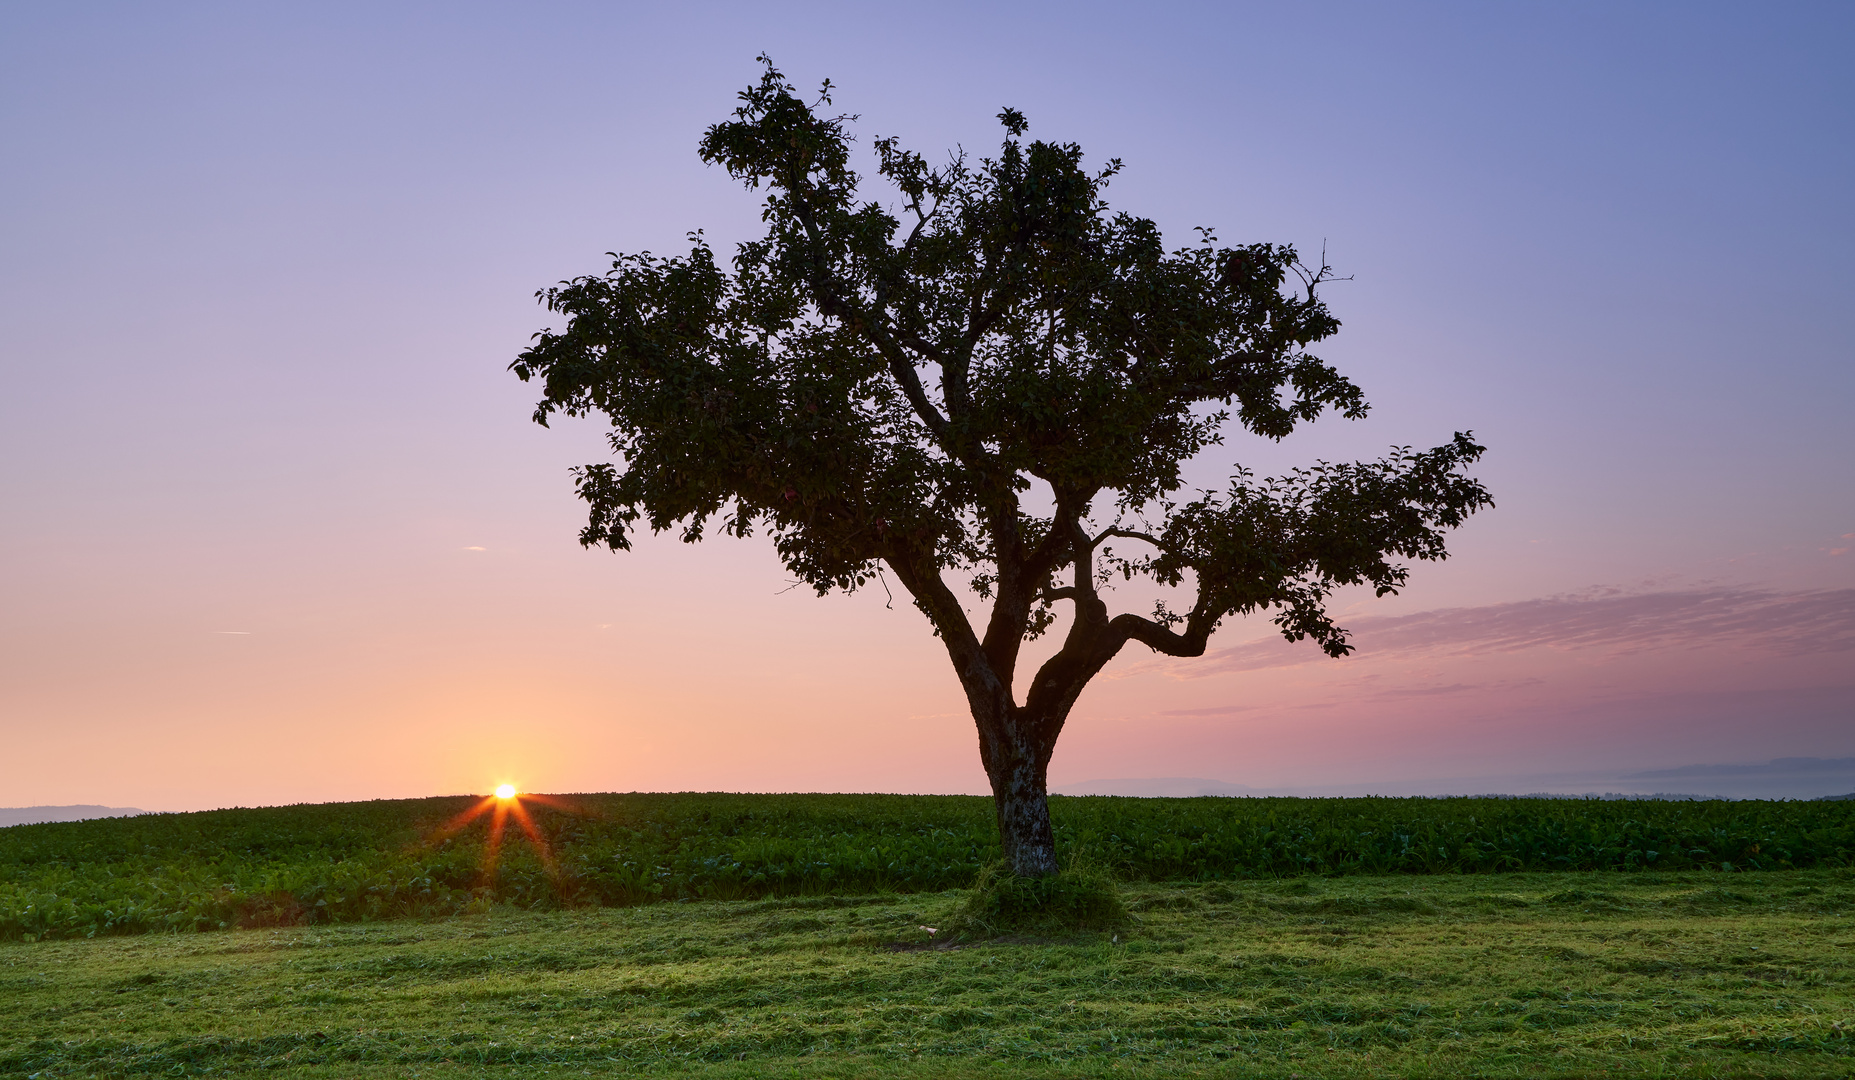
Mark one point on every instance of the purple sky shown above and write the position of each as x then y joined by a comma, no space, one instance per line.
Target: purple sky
277,527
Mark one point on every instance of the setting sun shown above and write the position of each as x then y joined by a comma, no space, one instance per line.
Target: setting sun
505,791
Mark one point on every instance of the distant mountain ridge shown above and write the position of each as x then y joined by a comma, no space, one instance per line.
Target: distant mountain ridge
1779,778
1176,787
34,815
1188,787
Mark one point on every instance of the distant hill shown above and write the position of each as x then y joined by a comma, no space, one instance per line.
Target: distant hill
1175,787
1779,778
32,815
1836,798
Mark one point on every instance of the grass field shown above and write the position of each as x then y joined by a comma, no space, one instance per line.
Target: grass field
1527,974
352,862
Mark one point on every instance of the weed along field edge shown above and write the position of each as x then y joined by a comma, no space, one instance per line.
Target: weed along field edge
1685,972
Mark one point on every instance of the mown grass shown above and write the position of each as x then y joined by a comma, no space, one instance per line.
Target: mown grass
1532,974
365,861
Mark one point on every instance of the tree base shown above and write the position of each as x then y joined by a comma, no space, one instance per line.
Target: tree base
1076,899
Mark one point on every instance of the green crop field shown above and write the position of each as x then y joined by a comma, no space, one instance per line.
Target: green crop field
742,936
348,862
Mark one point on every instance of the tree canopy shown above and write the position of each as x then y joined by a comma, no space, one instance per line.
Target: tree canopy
988,384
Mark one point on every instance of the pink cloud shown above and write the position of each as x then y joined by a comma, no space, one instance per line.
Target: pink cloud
1795,623
1215,710
1426,691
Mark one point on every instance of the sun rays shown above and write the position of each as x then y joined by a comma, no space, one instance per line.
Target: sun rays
506,803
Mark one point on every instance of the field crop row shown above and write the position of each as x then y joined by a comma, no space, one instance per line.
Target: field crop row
347,862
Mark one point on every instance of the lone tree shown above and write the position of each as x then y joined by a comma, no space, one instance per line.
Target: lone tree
994,382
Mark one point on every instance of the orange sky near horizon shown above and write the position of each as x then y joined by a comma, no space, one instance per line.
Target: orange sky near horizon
576,671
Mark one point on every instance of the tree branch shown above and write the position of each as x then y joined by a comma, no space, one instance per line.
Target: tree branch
848,310
1129,534
1161,639
984,689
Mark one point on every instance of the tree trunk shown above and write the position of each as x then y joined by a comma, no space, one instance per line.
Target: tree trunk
1024,827
1016,760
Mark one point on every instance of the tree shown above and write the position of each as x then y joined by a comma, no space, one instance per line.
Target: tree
994,379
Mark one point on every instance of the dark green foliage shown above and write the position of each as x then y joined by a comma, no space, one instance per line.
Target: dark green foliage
358,861
884,374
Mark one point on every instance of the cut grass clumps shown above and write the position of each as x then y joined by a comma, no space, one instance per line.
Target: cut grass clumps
1081,898
1355,978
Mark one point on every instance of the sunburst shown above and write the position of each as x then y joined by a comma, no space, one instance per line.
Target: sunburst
501,806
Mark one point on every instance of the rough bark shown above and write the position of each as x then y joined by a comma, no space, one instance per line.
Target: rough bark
1017,760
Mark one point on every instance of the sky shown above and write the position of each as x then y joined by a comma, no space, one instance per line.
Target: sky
275,525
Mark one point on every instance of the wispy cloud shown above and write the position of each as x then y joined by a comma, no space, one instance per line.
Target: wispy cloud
1215,710
1427,691
1793,623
